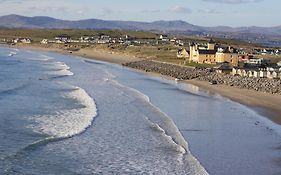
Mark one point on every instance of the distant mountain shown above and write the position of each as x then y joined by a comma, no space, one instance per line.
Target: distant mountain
16,21
258,30
257,34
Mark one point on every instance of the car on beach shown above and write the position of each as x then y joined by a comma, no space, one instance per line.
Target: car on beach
213,82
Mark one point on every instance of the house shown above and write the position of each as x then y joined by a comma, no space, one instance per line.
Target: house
176,41
244,72
60,41
211,54
26,40
44,41
85,39
73,41
129,38
256,73
260,73
263,51
224,68
104,39
229,55
258,62
62,38
274,72
263,73
203,55
180,42
164,38
250,72
183,53
22,40
269,72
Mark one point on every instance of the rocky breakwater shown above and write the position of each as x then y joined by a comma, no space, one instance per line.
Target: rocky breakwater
179,72
272,86
186,73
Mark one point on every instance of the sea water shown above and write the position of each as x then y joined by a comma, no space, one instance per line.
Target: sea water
67,115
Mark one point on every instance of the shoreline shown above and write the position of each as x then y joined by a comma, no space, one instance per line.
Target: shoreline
97,54
265,104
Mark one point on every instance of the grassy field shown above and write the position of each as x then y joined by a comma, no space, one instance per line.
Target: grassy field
39,34
197,65
166,53
273,58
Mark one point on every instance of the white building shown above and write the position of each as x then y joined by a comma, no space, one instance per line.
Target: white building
44,41
164,38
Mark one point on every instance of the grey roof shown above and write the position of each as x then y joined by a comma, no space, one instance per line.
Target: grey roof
208,52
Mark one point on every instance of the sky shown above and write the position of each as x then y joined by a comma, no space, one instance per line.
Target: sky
235,13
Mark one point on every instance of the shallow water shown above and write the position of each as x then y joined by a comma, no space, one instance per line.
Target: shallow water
65,115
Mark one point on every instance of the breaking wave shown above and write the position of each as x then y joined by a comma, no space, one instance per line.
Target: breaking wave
69,122
56,70
168,138
168,129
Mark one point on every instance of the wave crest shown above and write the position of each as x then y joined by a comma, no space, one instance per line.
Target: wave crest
67,123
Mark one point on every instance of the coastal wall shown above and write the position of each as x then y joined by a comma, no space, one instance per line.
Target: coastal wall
271,86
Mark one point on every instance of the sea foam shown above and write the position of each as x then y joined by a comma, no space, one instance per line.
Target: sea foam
67,123
169,131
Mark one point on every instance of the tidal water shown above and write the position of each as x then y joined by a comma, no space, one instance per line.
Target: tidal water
67,115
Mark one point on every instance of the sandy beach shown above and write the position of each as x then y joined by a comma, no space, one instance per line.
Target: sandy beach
97,54
265,104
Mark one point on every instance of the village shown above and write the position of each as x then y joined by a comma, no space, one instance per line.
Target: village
229,60
224,59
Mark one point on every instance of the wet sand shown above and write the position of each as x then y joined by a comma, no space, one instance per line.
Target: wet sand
266,104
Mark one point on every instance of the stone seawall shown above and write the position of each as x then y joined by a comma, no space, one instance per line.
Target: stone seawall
185,73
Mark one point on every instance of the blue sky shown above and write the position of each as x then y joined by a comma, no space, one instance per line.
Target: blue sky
199,12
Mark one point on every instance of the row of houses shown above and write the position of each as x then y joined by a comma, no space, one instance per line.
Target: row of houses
106,39
102,39
22,40
267,51
269,72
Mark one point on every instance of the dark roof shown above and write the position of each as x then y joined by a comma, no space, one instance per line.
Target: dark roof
225,67
208,52
211,41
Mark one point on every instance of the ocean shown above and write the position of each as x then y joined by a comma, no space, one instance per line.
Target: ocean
63,114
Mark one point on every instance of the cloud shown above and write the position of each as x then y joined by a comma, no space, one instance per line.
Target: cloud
55,10
233,1
179,9
209,11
